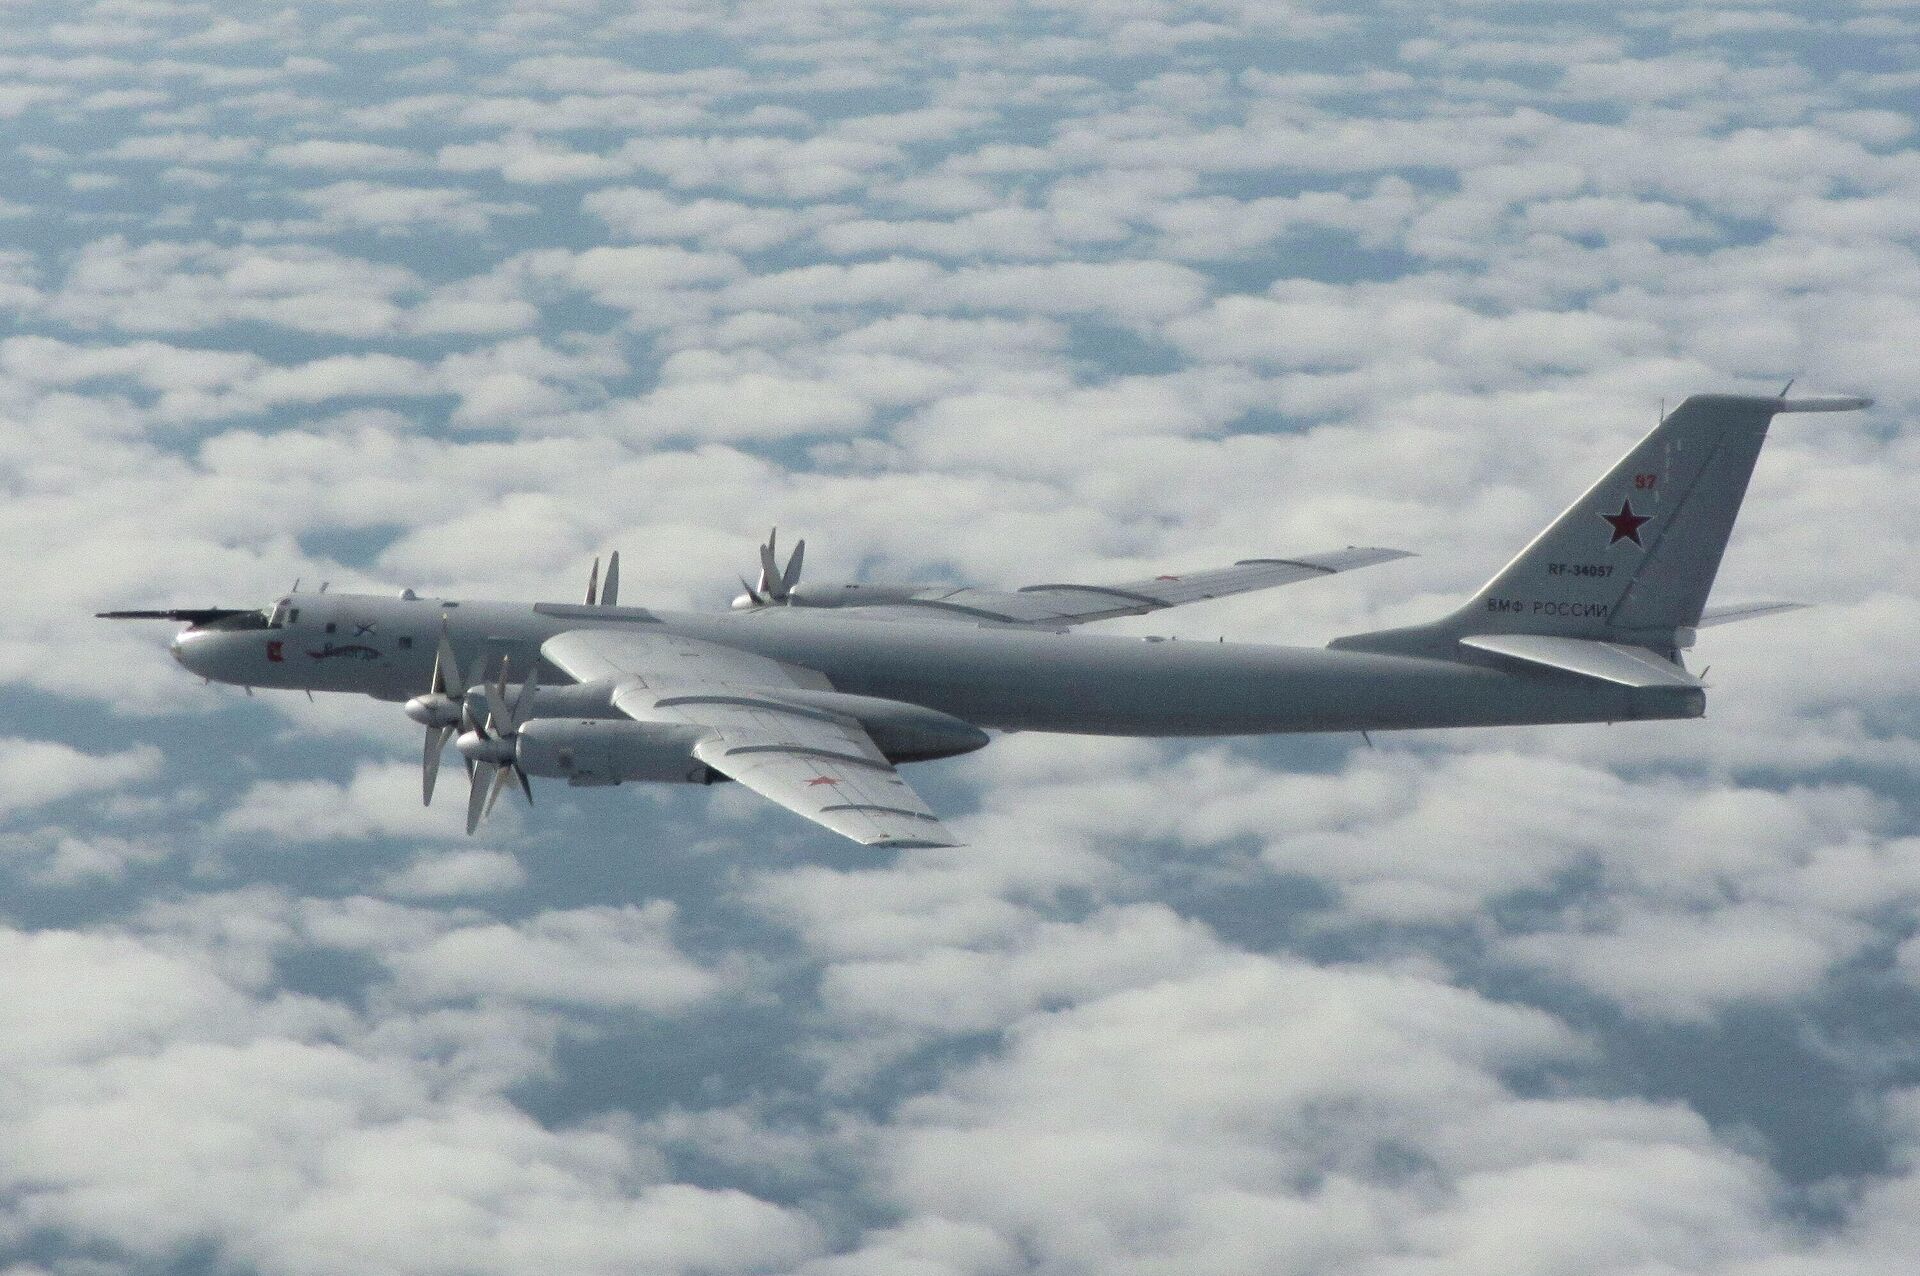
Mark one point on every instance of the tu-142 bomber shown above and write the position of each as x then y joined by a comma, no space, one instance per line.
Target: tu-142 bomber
814,695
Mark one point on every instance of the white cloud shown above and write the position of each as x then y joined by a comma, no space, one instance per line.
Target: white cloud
284,1133
641,278
40,772
380,800
764,167
1691,965
637,213
17,99
399,208
1263,1103
948,295
198,149
330,153
167,286
54,857
456,874
528,160
611,958
141,997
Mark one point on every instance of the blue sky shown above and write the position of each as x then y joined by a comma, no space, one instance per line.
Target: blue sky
457,296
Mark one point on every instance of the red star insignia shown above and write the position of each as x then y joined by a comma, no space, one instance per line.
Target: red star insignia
1626,524
821,779
1166,578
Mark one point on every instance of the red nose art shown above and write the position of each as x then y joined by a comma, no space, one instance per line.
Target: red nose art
274,651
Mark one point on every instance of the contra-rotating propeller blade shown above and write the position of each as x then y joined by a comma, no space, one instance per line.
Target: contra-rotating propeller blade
443,710
604,593
483,776
501,774
769,572
430,758
791,577
491,746
776,582
610,587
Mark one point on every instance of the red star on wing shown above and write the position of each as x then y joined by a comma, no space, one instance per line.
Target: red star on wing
1166,578
1626,524
821,779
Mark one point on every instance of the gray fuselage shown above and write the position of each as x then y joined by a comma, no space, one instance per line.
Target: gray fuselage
997,677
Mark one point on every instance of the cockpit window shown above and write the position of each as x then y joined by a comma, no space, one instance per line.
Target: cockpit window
242,620
282,614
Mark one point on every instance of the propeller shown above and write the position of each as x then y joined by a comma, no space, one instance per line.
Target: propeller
605,593
491,746
444,708
776,584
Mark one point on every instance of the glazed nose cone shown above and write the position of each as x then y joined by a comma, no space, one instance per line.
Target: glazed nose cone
188,647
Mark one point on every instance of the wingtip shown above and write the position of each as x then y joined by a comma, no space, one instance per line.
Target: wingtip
1826,403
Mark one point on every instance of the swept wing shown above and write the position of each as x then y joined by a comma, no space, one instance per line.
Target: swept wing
1060,605
812,760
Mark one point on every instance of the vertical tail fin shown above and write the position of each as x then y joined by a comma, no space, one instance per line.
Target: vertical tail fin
1633,559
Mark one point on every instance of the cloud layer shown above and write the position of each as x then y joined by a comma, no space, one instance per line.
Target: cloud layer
456,298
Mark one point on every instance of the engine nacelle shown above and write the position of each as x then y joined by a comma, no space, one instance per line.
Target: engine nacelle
903,732
832,594
595,751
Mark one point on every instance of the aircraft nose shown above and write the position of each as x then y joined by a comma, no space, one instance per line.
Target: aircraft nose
187,646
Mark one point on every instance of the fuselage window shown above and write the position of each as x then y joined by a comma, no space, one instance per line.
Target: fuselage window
406,643
331,626
293,617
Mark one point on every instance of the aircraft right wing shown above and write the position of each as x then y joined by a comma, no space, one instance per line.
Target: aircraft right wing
814,761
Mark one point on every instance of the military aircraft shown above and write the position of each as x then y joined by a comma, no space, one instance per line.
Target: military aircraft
812,695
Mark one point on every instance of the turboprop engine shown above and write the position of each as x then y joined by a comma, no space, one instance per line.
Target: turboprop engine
585,751
780,586
594,751
508,743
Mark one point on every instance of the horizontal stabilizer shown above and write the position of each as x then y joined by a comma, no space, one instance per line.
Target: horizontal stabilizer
1743,611
1608,661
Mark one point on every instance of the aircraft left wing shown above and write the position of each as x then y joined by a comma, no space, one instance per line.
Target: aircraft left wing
1061,605
815,762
